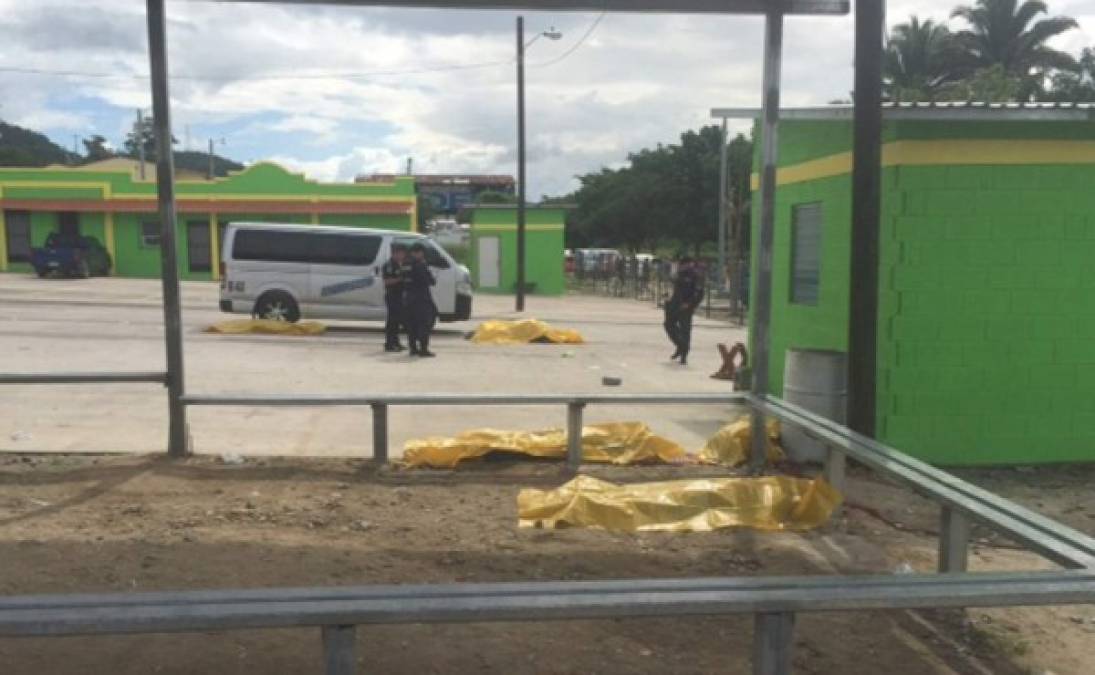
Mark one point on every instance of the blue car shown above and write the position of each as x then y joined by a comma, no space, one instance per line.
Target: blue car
71,256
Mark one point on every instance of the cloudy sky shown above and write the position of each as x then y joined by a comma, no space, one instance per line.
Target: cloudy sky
336,92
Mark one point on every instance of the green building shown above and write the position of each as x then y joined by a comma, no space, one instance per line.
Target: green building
986,326
112,203
493,255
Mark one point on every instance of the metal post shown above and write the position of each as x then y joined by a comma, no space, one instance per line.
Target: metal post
773,642
954,540
339,656
380,433
212,169
140,141
521,173
722,206
773,52
165,190
574,434
866,214
835,468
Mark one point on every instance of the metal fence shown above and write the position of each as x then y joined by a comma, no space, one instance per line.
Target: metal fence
774,602
652,281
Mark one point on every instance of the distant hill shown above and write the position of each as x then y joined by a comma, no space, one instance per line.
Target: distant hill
23,147
199,161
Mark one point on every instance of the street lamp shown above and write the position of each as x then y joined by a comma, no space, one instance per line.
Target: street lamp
550,34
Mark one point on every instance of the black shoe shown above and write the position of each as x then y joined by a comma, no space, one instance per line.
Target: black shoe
684,360
392,348
676,355
427,354
399,347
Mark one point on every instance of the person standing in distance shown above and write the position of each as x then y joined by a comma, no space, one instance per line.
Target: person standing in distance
394,274
421,310
687,295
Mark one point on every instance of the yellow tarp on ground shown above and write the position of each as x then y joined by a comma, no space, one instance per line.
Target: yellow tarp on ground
266,327
733,444
615,443
523,332
775,503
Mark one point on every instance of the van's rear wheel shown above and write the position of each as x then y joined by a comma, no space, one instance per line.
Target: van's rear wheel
276,306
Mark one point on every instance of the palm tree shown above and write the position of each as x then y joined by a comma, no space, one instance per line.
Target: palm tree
1008,34
921,58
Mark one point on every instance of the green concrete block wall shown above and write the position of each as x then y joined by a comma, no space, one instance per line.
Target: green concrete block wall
986,351
987,337
543,248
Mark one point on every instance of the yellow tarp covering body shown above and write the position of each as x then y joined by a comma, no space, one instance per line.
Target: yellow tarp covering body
616,443
732,445
523,332
775,503
266,327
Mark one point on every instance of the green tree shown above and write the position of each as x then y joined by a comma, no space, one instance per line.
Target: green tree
143,133
987,85
1075,86
921,58
1010,35
95,149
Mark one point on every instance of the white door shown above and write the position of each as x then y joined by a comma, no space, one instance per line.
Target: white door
490,273
345,275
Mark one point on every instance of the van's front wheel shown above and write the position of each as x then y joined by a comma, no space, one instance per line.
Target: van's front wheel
276,306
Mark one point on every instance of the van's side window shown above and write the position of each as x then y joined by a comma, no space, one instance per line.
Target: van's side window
306,247
344,249
270,245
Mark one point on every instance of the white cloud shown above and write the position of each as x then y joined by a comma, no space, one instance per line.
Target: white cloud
639,80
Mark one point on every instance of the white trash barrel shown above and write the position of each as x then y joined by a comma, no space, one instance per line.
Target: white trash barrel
817,380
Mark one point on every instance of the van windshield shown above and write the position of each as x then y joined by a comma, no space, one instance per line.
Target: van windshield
434,256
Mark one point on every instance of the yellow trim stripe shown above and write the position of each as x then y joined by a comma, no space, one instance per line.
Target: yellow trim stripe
3,242
214,248
108,235
943,153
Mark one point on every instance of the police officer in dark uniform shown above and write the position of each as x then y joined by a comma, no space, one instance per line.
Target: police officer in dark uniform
418,301
687,295
394,272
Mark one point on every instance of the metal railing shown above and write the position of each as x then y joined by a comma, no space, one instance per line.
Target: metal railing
774,602
575,407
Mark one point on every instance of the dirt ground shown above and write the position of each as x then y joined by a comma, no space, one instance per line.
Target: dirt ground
83,523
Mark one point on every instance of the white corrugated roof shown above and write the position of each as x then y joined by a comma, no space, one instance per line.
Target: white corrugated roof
942,110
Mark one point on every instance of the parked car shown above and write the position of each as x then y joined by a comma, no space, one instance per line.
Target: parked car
71,256
288,272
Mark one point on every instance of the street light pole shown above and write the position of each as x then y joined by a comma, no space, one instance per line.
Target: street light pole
521,164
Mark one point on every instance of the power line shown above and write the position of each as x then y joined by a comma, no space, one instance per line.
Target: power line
575,46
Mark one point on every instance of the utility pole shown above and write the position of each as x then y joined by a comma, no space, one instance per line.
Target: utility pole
212,174
722,206
520,164
140,141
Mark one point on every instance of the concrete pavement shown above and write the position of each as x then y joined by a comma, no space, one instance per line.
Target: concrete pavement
116,324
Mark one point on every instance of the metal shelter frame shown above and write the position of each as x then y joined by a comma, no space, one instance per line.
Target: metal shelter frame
773,602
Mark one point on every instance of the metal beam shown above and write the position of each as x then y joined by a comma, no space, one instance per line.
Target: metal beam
1046,537
82,378
762,313
937,113
177,445
292,400
199,611
836,7
866,216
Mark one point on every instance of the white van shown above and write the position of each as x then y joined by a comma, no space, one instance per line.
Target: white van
289,272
